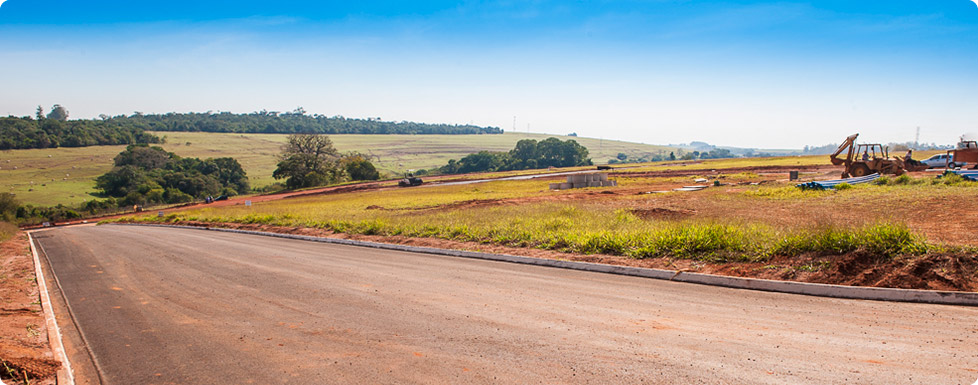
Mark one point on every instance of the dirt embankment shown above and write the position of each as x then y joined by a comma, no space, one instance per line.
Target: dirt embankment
24,347
929,272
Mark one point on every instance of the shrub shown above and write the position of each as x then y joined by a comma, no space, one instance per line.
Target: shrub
843,186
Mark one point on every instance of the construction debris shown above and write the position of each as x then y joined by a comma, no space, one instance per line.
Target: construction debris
584,180
830,184
971,175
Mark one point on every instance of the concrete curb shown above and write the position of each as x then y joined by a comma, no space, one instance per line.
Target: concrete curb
789,287
65,375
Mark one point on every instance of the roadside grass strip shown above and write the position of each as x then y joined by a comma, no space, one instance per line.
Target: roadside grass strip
970,175
572,229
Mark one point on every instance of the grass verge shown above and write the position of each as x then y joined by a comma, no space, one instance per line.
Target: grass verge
575,229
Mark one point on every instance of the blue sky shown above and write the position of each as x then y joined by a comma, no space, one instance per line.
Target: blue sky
743,73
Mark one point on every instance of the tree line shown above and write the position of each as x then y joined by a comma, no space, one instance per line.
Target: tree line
55,130
527,154
297,121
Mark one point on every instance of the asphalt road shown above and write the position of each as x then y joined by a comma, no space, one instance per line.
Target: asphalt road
160,306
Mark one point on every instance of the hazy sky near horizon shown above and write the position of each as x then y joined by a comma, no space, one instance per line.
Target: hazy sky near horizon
757,74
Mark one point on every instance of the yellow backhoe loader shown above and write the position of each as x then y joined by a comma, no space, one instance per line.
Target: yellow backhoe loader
865,159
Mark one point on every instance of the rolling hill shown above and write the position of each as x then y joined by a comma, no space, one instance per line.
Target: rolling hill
67,175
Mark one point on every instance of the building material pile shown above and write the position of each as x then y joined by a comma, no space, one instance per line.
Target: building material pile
830,184
971,175
584,180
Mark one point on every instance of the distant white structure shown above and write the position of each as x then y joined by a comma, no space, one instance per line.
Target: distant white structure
584,180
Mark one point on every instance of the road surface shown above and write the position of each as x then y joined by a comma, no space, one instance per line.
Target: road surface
162,306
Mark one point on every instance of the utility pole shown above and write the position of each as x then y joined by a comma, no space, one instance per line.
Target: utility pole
916,139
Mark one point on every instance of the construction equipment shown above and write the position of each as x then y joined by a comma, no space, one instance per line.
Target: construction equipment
410,181
966,152
865,159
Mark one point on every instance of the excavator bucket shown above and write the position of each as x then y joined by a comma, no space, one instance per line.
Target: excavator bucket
914,166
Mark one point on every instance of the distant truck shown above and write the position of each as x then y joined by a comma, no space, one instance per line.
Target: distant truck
410,181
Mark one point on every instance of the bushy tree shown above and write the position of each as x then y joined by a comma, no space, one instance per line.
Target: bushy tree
58,112
359,167
152,175
8,207
308,160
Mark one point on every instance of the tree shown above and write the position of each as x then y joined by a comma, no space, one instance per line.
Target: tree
483,161
358,167
58,113
145,174
525,154
8,207
308,160
228,172
556,153
144,157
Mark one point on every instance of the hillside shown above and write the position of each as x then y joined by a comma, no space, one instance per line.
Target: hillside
66,175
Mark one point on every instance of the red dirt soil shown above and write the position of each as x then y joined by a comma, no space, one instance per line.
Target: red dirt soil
24,346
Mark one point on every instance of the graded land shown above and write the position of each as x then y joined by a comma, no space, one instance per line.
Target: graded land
25,354
913,232
65,175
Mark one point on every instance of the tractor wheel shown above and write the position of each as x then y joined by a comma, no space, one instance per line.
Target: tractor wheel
859,170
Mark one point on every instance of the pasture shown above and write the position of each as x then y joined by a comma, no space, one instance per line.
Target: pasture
67,175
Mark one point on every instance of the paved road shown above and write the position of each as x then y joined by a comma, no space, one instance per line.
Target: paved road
195,307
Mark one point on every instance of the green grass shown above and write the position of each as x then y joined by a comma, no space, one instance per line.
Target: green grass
67,175
580,226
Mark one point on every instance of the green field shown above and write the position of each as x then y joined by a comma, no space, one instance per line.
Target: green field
66,175
748,223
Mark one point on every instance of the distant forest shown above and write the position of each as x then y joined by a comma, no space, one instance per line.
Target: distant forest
294,122
55,130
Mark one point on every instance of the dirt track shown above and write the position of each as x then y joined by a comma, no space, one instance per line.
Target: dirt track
186,306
